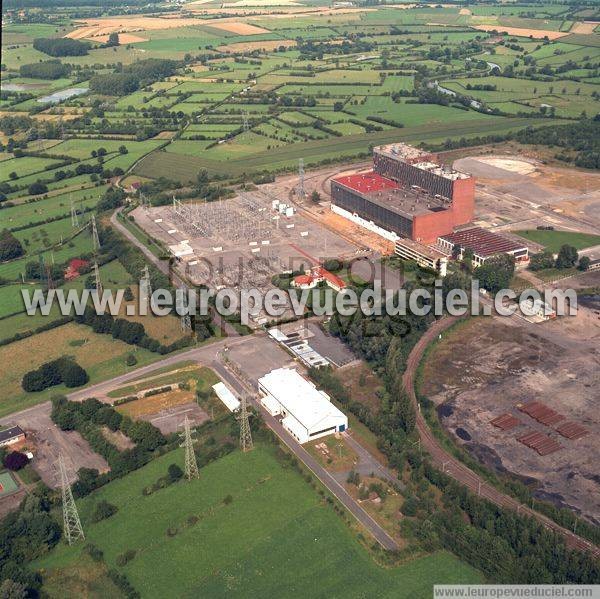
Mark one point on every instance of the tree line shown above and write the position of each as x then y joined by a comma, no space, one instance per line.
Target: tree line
129,78
61,46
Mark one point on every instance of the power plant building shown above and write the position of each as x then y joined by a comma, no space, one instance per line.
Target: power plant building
407,194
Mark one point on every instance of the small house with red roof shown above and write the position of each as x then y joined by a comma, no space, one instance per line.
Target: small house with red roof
311,278
76,265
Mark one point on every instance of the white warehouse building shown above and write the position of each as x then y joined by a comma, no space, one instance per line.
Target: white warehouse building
307,412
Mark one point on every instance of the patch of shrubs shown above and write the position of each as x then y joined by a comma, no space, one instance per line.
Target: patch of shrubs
63,370
15,460
125,558
104,510
122,582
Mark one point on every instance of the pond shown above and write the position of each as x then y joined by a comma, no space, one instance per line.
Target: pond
63,94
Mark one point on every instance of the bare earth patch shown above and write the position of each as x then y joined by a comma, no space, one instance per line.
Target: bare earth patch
536,33
99,27
250,46
507,364
587,27
514,165
124,38
239,28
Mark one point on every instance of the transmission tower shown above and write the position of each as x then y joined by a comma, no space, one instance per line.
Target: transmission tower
246,126
300,191
95,238
186,321
74,216
191,466
144,202
245,434
49,279
72,525
146,287
98,281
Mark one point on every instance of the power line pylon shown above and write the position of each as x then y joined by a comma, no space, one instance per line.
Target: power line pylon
145,288
186,321
95,238
49,278
191,466
144,202
300,191
246,126
98,281
74,216
245,434
71,524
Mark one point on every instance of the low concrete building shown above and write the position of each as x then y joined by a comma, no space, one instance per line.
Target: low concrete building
232,403
306,412
537,308
484,244
423,255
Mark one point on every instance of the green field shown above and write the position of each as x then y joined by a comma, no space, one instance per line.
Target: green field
553,240
185,166
275,538
101,355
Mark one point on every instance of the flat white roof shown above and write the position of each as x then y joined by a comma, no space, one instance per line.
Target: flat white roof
181,249
278,334
226,396
299,397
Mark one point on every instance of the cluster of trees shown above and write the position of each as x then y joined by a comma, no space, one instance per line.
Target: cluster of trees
495,273
10,246
61,46
567,257
112,198
132,77
87,418
63,370
581,140
15,460
49,69
25,535
509,548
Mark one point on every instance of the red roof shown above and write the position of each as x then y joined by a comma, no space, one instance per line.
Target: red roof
303,280
366,182
78,263
330,277
75,265
483,242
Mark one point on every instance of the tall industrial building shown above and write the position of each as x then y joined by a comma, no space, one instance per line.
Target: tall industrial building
407,194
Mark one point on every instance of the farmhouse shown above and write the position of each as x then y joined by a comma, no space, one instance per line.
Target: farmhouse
311,278
10,436
306,412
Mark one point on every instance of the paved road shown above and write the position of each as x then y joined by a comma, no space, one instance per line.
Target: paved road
336,488
456,469
163,266
209,355
204,354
